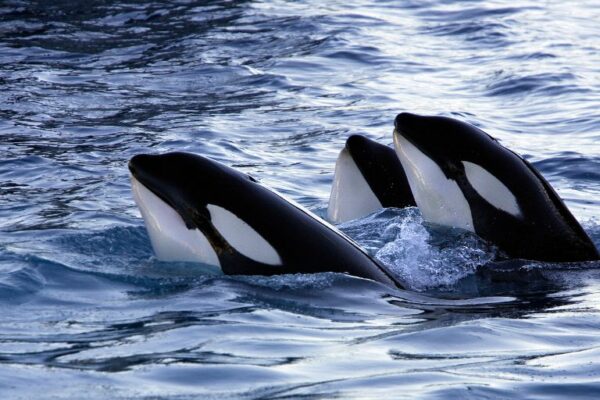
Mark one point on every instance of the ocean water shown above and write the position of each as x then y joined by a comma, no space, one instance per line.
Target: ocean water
274,88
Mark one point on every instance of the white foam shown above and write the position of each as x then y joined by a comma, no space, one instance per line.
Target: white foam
407,251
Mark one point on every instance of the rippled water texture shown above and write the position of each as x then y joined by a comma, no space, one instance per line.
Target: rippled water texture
274,88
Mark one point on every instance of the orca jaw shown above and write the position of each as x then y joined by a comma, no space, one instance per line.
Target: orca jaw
439,197
177,231
171,237
368,176
351,196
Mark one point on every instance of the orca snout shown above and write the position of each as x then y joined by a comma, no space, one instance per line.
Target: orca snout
140,162
132,166
356,141
404,121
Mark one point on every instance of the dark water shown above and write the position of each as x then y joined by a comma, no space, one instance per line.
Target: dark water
274,89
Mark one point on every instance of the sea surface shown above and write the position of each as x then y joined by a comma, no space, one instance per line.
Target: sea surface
274,88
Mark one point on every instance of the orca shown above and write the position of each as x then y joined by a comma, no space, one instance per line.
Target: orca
462,177
368,176
196,209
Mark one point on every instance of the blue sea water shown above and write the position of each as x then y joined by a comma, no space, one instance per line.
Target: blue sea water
274,88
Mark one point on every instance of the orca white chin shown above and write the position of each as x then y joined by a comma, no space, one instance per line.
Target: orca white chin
351,197
171,239
440,199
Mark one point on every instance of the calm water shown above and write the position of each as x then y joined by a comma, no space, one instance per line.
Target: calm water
274,88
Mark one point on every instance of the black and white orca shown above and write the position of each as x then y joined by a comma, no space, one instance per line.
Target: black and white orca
462,177
368,176
196,209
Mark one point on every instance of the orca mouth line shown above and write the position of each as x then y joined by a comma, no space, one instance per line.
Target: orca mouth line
401,122
135,174
403,130
141,179
398,132
133,168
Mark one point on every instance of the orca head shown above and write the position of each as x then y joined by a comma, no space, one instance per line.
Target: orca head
187,202
351,195
455,170
368,176
462,177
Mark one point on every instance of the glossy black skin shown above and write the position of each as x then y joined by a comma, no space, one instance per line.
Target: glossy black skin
189,182
547,231
382,170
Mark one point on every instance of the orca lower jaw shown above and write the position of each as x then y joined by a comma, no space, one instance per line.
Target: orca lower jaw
440,200
171,238
351,196
209,234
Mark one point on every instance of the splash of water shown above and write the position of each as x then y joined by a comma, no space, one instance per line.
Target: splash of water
424,256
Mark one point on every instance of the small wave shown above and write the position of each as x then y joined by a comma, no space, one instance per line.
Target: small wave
480,32
292,281
550,84
17,280
367,55
125,243
571,165
459,14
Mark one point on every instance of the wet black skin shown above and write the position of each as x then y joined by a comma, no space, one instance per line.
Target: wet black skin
382,171
189,182
547,231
